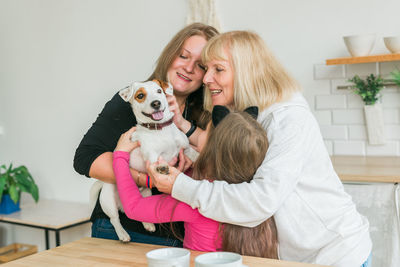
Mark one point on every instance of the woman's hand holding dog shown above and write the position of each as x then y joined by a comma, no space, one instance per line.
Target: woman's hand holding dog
184,162
163,182
179,120
125,143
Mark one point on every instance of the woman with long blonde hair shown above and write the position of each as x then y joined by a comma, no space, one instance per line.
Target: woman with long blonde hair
316,220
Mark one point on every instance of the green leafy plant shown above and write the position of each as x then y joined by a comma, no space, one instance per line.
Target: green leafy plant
369,88
396,77
13,181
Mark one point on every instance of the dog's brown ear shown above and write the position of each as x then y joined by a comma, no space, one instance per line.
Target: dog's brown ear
162,84
157,81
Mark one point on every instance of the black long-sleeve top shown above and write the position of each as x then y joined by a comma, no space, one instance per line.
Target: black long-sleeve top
116,118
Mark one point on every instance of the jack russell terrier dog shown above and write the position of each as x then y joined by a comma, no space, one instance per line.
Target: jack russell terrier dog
158,136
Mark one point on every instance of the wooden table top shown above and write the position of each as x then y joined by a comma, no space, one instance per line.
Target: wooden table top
52,214
103,252
367,169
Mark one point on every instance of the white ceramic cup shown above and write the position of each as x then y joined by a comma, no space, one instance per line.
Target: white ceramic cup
168,257
392,44
219,259
360,45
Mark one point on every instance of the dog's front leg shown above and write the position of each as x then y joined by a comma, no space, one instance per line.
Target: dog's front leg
191,153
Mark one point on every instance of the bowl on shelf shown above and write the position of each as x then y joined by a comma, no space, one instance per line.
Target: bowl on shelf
360,45
392,43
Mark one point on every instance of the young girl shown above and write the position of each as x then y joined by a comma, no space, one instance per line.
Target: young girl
233,152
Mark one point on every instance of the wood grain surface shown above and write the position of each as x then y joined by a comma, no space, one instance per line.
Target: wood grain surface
103,252
367,169
366,59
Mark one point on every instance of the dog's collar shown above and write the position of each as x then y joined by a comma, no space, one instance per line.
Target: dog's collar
156,126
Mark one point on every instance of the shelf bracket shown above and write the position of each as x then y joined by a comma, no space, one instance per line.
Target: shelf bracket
385,83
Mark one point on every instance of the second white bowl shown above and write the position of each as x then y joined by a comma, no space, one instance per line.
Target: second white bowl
360,45
393,44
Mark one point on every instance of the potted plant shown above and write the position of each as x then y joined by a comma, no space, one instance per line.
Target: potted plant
14,181
396,77
369,90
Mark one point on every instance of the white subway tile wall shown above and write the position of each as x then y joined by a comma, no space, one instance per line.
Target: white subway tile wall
391,116
324,117
353,100
334,132
348,116
360,69
340,112
349,148
330,101
357,132
391,100
392,131
390,148
324,72
388,67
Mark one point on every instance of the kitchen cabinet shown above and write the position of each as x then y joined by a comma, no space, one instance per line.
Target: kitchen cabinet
373,184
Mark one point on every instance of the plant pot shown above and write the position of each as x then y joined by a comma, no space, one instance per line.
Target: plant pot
8,206
375,125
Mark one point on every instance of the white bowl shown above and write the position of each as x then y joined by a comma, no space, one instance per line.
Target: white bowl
393,44
360,45
168,257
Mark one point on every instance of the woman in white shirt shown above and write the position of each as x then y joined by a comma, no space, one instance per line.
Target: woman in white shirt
317,221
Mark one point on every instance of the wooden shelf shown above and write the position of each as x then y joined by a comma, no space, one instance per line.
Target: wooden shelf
367,59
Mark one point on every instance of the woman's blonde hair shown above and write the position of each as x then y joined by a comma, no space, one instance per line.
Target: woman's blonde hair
233,152
171,52
259,79
174,47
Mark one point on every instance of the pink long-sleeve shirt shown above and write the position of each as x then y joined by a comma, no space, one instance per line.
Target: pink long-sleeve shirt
201,233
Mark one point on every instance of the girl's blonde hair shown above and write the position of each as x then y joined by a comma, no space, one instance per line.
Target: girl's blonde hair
259,79
233,152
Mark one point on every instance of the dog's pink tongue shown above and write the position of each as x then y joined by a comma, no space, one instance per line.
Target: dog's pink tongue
157,115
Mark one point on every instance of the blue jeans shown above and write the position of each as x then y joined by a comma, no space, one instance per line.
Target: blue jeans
102,228
367,263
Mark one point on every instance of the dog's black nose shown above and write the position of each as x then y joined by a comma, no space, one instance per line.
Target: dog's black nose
155,104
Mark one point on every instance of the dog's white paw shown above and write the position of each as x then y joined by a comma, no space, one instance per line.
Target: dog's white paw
123,236
149,227
121,233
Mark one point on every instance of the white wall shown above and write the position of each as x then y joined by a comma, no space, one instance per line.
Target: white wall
60,61
340,113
